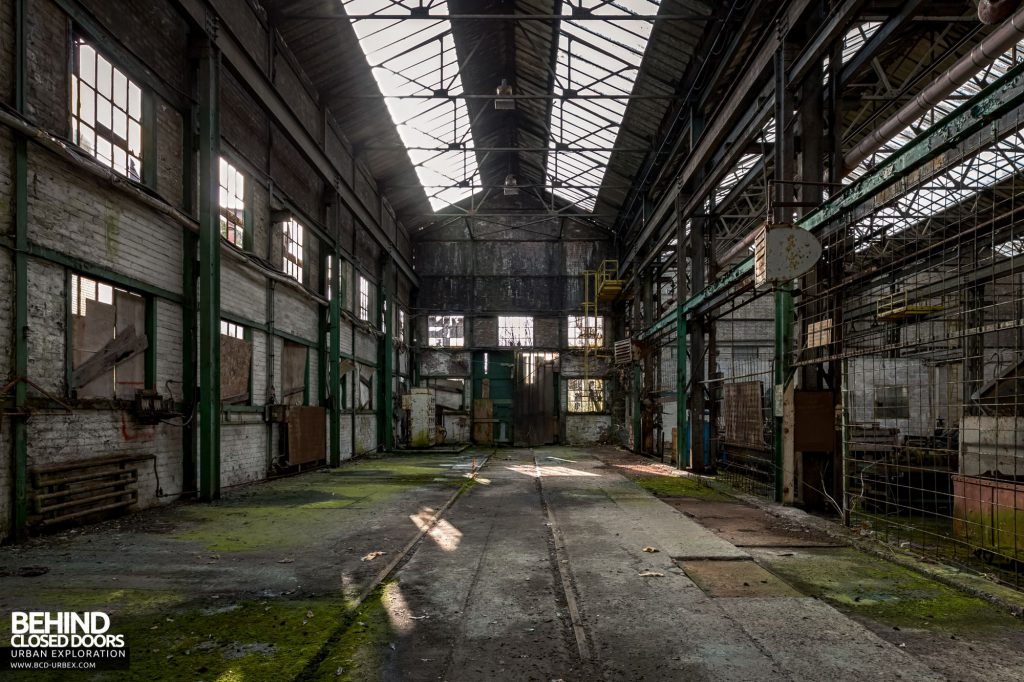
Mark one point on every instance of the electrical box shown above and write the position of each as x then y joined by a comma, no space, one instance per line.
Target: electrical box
422,418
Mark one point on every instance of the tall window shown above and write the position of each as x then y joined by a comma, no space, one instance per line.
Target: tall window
515,331
586,395
292,252
401,326
586,331
446,331
106,112
231,329
364,298
109,344
232,203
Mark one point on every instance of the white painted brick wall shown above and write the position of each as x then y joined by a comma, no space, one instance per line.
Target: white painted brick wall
97,433
169,347
46,325
242,290
346,337
243,450
586,429
74,214
295,313
366,347
366,433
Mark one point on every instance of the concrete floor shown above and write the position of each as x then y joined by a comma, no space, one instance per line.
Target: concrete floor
553,564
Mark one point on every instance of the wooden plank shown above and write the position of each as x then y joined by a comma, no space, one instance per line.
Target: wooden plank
235,364
306,434
744,413
125,346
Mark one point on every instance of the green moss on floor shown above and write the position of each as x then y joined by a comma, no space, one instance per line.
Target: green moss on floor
679,486
358,652
282,514
247,641
889,594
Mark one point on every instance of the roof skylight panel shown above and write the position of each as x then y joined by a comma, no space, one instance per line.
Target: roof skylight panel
419,58
593,58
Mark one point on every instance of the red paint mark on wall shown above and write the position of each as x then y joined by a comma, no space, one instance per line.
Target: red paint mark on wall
135,435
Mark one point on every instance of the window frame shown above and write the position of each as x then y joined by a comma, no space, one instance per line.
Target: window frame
578,341
149,329
136,109
364,299
503,324
293,264
596,409
436,321
242,219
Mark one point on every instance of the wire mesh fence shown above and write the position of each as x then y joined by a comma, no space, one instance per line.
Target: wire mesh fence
741,427
916,316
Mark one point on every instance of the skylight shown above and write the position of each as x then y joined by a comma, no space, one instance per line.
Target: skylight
594,58
418,58
952,187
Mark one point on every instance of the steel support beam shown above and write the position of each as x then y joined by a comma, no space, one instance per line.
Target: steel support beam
385,414
695,396
682,292
334,374
209,271
19,421
1000,97
251,76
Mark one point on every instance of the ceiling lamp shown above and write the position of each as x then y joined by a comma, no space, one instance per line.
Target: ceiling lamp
511,186
504,91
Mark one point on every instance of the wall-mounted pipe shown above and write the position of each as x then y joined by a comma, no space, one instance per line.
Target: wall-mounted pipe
986,52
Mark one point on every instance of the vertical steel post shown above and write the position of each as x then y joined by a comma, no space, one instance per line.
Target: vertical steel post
682,293
335,358
695,396
385,423
209,272
783,295
19,430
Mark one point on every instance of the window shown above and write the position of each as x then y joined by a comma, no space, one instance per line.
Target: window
401,326
235,364
232,203
366,392
532,363
446,331
515,331
586,331
108,340
586,395
106,112
232,330
364,298
384,314
292,252
892,402
329,281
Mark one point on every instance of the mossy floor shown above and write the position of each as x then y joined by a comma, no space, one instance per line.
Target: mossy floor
894,596
679,486
255,587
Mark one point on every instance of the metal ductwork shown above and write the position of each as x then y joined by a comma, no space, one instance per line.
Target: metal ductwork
986,52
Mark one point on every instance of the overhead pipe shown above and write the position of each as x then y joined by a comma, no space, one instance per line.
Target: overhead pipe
984,54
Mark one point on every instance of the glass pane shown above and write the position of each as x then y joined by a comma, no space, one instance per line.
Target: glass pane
103,111
120,90
87,63
103,76
135,138
87,105
134,101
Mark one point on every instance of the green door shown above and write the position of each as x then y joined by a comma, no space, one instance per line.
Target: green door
498,368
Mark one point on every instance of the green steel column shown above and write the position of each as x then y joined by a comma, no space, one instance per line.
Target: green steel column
19,426
335,358
682,396
783,342
209,273
385,422
637,437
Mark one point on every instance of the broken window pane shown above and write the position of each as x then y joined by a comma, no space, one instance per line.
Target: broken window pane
232,203
446,331
586,395
106,112
366,376
586,331
364,298
515,331
291,251
108,340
